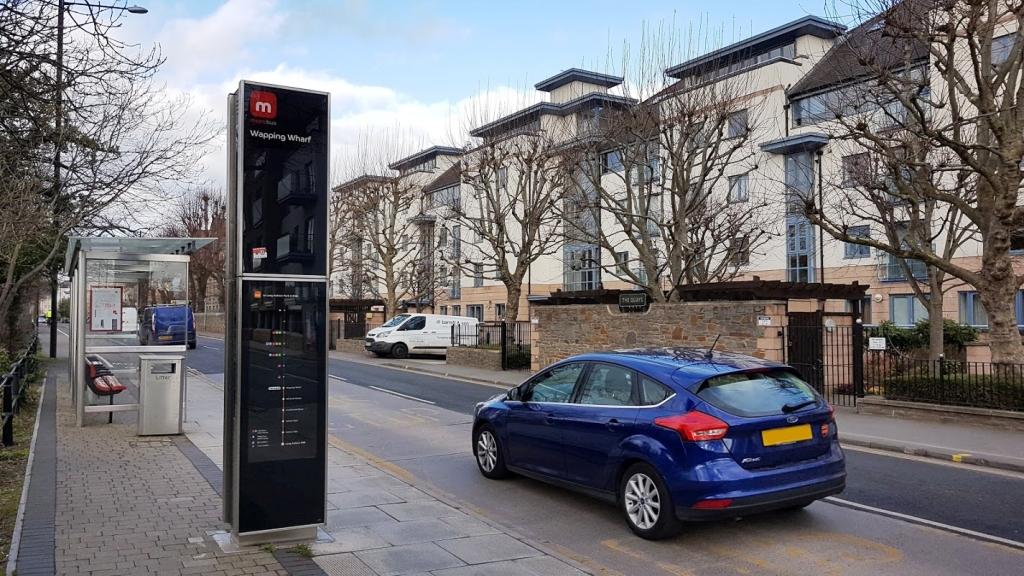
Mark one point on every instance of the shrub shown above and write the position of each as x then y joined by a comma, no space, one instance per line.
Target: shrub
953,333
896,336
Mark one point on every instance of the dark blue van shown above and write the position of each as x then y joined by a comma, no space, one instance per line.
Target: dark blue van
174,324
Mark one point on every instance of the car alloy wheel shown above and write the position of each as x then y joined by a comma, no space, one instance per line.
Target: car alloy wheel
643,501
486,451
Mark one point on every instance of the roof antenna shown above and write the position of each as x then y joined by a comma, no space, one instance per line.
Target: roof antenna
707,355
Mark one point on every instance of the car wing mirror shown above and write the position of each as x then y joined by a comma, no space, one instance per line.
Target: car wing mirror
512,394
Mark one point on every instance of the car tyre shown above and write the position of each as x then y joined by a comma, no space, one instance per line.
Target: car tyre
647,504
399,351
487,452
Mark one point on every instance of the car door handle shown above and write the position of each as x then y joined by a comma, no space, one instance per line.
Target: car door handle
551,419
613,424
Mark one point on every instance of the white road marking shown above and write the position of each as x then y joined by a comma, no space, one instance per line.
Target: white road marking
926,522
63,332
338,378
935,461
386,391
210,347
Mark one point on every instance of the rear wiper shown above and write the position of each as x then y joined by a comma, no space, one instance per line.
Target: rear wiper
794,407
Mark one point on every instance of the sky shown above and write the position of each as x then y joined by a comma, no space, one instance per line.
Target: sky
404,75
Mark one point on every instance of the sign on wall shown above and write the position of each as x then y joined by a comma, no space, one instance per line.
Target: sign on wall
105,309
276,346
632,302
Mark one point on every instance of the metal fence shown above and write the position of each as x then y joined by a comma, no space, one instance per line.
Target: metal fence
12,387
357,330
512,339
828,357
897,376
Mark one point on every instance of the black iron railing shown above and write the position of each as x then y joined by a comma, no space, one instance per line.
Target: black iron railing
357,330
12,388
512,339
897,376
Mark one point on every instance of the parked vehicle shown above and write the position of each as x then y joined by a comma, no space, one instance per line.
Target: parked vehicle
417,334
670,435
173,324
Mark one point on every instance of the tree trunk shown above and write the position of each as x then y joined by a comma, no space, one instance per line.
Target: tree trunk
514,289
998,298
391,303
936,333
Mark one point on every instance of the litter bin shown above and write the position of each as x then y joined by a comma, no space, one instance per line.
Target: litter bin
161,393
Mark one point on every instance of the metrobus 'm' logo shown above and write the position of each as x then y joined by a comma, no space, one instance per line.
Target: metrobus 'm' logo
263,104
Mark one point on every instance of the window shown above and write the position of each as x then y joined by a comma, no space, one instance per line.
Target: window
1001,47
894,271
609,385
449,197
478,275
622,262
757,394
310,235
856,169
555,385
455,289
611,161
456,242
499,311
654,392
739,248
738,188
799,250
581,267
1017,242
971,310
444,310
475,311
737,124
456,310
906,309
502,179
442,237
415,323
851,250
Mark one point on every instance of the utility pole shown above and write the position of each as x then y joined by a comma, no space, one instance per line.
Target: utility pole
57,138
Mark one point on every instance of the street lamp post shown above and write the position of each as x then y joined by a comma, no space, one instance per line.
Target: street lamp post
58,109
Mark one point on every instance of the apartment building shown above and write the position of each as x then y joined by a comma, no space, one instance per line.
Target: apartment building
788,76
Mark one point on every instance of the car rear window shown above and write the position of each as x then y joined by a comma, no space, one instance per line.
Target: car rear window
171,314
758,393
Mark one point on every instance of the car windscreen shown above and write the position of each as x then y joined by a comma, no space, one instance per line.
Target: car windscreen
395,321
763,393
171,314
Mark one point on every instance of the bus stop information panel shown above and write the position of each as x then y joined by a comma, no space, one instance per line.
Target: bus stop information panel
280,321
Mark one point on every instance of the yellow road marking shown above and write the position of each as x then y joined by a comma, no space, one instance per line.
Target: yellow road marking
960,457
621,548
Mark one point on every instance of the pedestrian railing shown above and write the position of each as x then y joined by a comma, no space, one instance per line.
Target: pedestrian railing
12,387
897,376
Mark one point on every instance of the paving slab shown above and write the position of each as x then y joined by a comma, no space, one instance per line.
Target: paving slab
488,548
407,559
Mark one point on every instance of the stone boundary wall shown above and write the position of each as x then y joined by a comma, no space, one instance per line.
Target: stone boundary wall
563,331
350,346
483,358
210,323
880,406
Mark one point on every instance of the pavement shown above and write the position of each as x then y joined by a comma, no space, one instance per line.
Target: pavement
104,501
950,441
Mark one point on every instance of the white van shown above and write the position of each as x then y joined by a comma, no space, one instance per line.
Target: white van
418,334
129,319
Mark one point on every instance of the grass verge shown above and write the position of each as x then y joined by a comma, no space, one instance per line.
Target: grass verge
12,466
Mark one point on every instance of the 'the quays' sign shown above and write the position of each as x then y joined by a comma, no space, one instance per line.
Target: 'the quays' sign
276,349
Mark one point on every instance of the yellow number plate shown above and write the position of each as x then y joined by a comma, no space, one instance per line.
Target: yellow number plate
787,435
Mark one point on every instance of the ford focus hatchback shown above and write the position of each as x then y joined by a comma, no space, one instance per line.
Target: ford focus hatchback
669,435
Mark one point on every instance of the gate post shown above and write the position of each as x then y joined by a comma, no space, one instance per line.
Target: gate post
503,334
858,357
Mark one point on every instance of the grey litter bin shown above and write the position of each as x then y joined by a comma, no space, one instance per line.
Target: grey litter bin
161,393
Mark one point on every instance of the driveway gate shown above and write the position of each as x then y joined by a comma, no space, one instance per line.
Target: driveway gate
827,348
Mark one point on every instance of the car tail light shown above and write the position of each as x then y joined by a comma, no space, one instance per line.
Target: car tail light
695,426
825,430
831,410
713,504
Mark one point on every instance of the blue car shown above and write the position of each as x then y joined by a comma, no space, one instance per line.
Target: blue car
669,434
172,324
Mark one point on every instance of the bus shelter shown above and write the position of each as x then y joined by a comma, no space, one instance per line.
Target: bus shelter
129,308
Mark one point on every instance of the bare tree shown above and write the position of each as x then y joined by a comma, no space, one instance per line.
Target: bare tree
121,138
666,178
202,213
938,109
508,203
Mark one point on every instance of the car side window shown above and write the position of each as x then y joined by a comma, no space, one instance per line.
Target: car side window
609,385
417,323
654,392
556,385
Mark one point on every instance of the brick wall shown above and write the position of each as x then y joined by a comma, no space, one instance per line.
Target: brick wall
562,331
474,357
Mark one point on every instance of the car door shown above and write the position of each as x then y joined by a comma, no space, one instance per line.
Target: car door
533,424
602,414
411,333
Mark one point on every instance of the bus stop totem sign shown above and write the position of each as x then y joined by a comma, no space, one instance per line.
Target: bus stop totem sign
278,375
